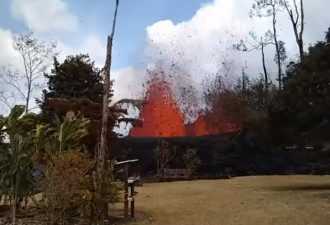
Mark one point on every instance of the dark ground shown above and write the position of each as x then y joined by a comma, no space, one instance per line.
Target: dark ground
224,155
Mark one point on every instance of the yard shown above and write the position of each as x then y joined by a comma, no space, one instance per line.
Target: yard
287,200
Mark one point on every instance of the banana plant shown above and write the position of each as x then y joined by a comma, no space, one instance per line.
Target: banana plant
71,131
63,136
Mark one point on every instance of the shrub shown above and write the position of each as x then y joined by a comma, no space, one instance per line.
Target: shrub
164,153
64,186
112,192
191,161
69,188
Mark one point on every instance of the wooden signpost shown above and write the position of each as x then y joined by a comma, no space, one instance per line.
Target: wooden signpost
130,179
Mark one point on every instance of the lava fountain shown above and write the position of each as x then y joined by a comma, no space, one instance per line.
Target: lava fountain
160,115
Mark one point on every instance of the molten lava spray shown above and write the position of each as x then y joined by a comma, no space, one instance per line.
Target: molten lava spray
160,115
207,125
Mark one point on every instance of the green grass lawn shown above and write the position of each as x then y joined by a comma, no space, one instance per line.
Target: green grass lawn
287,200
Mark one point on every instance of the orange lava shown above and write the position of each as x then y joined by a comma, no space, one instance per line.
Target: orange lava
207,125
162,118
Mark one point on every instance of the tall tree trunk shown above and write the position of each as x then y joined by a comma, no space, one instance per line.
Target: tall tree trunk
103,147
295,24
13,201
277,49
28,99
243,80
264,65
301,33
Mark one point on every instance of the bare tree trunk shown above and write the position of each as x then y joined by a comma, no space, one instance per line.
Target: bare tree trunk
295,24
243,80
302,27
264,66
13,202
28,98
277,49
103,147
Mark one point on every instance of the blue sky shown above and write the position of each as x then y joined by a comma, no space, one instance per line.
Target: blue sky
95,17
134,16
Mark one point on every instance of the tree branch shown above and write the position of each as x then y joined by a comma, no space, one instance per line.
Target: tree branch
302,20
297,12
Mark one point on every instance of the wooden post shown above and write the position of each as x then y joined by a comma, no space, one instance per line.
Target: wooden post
125,165
132,201
126,191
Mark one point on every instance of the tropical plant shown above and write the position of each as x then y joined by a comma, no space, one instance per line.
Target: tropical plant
112,192
16,166
62,136
71,131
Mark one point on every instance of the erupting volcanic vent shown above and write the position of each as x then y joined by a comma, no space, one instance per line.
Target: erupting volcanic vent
208,124
161,115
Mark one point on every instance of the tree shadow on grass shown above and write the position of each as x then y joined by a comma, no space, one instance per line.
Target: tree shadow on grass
321,191
301,187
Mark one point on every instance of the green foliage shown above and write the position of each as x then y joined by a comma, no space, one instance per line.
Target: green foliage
69,185
61,137
112,191
327,36
16,165
76,85
64,186
17,123
304,102
245,107
71,131
75,78
16,169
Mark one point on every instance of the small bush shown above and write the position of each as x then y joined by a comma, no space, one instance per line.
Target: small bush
112,192
191,161
65,184
164,153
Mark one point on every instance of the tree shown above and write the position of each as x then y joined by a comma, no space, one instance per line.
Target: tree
34,58
281,55
270,8
245,110
102,150
75,78
282,52
327,36
76,85
247,107
297,17
164,153
192,162
303,104
255,43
